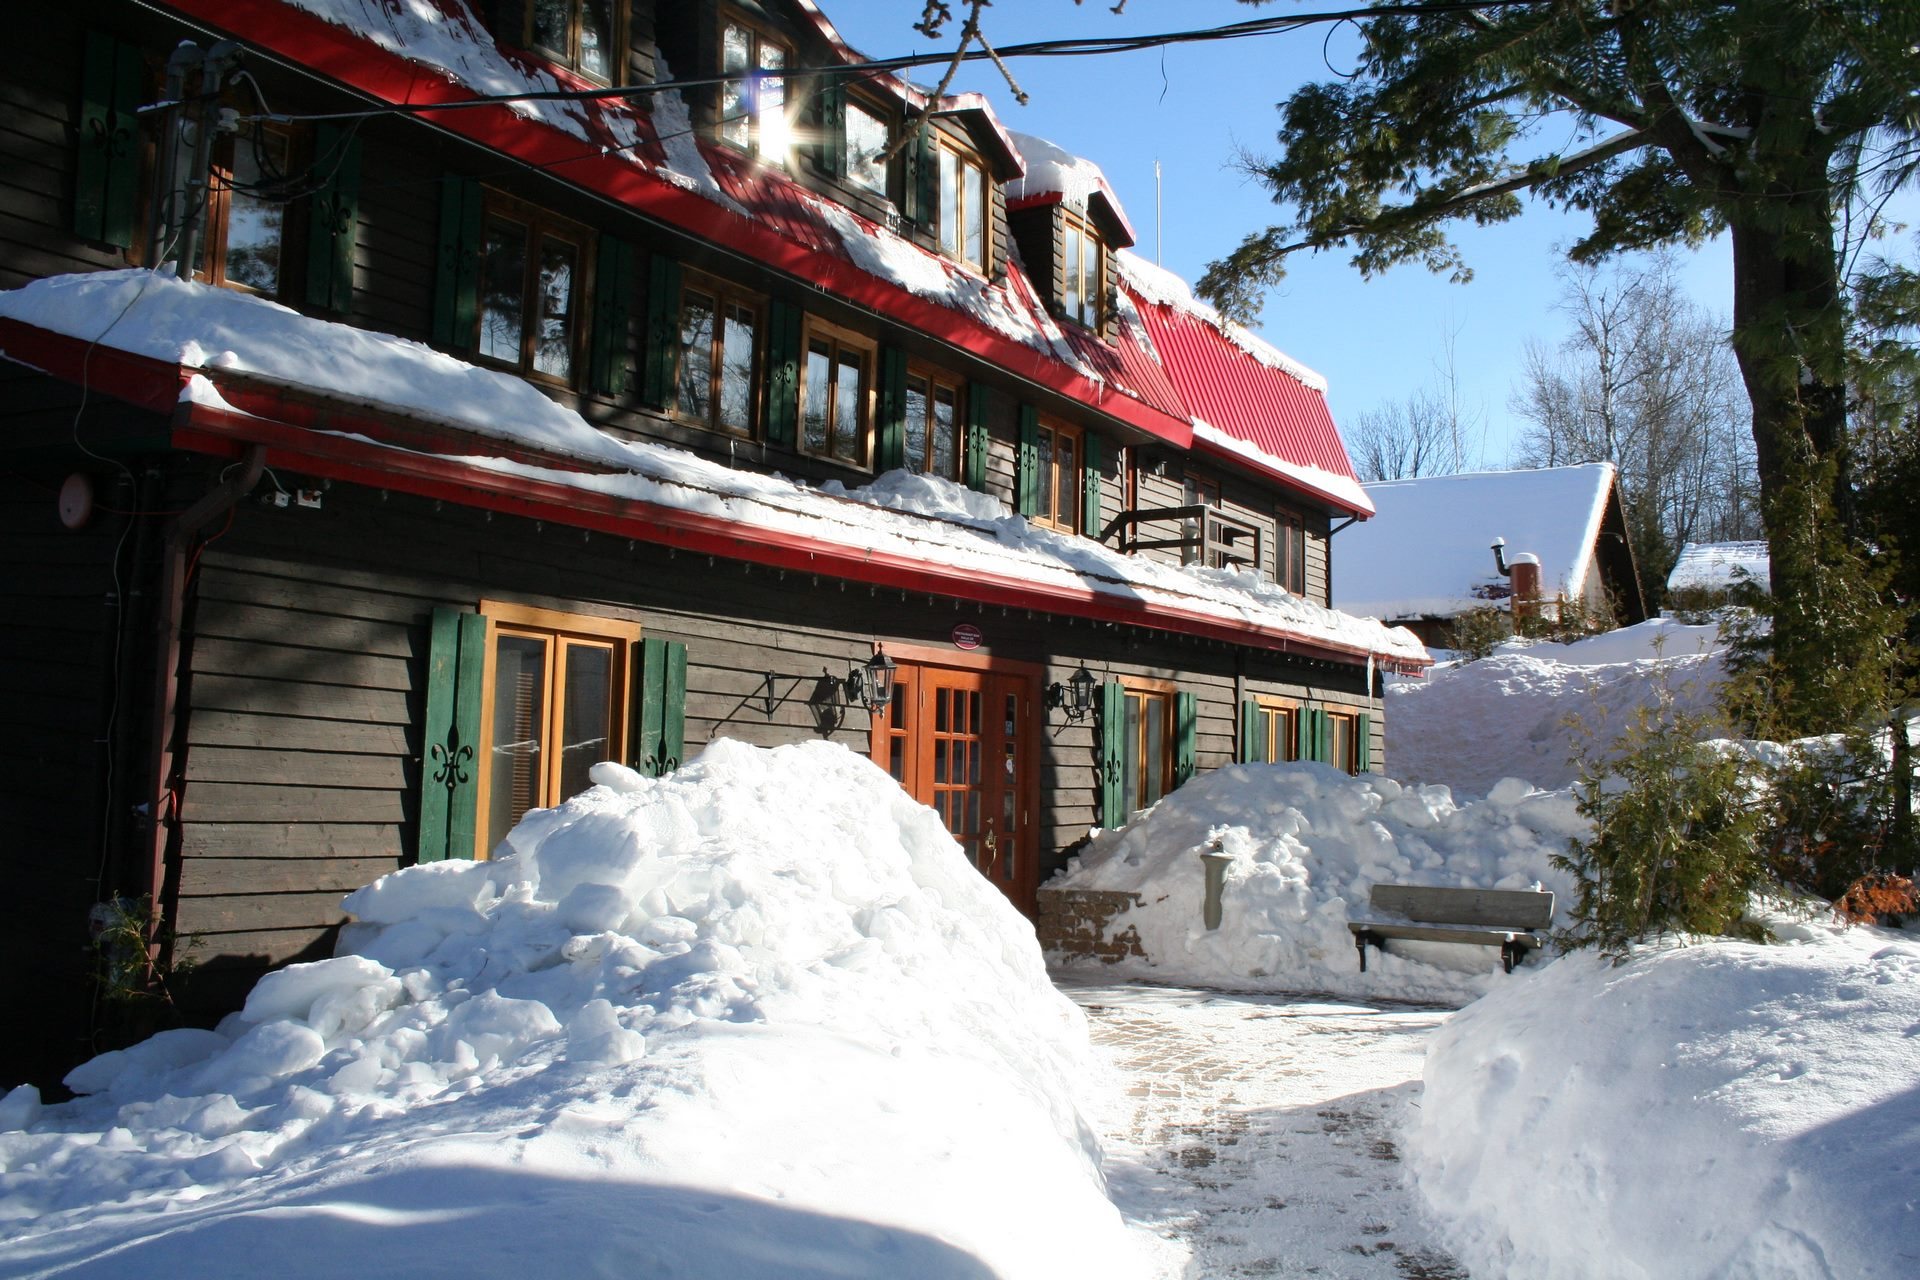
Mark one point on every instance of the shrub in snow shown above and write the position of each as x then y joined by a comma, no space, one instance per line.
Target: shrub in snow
769,977
1720,1110
1307,844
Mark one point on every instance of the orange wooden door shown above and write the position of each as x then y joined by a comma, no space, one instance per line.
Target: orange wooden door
960,741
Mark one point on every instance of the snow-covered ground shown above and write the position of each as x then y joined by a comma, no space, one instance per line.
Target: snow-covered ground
1468,725
759,1018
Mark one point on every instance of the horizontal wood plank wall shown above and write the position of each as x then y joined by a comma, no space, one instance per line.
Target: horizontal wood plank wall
1319,553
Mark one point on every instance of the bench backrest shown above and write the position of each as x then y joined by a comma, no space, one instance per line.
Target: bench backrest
1519,908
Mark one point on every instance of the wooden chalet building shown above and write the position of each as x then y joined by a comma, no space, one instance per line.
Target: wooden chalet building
494,438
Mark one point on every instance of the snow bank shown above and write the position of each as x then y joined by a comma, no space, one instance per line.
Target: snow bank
756,1019
1722,1109
1308,842
1468,725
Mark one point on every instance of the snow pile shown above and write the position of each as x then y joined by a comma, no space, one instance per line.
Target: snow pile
1308,842
202,327
1053,171
1721,1109
1468,725
1721,566
760,1018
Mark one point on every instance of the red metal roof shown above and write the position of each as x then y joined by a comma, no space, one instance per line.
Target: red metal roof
1228,387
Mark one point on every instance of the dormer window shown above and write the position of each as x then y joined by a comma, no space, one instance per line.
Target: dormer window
1084,286
963,206
753,97
580,34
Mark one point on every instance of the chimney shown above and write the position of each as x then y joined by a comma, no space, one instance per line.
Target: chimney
1525,572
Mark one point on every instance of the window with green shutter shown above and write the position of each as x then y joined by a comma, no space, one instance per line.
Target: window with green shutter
456,288
1092,461
1148,737
449,764
607,363
890,413
974,449
107,166
786,327
1363,743
333,227
659,370
660,707
1186,737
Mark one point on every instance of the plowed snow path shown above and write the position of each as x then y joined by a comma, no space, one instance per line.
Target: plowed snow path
1257,1133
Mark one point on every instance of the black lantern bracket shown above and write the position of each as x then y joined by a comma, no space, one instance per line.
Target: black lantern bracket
1075,696
871,683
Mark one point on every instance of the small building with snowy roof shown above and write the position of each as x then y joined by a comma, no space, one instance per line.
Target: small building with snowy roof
1718,569
769,398
1428,556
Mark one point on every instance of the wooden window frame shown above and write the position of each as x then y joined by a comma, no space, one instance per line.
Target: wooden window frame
936,377
963,158
758,36
569,57
1047,516
219,213
1352,753
1197,490
724,295
539,223
1286,711
1290,530
1091,312
504,617
1134,754
840,339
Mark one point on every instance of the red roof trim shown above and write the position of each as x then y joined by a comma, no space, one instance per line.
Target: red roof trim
336,52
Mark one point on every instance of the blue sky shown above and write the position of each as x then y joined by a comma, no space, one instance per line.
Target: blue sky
1194,108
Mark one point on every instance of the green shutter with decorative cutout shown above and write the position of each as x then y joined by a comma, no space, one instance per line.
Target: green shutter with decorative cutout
456,291
785,329
830,122
1186,737
1303,733
1026,469
450,756
660,364
1113,754
333,228
922,194
1322,736
607,364
1363,743
1253,733
659,707
1092,461
890,427
107,165
973,466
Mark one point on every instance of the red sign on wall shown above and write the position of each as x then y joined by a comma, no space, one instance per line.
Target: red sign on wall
966,636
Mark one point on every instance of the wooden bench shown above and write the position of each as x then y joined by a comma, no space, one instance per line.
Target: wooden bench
1512,919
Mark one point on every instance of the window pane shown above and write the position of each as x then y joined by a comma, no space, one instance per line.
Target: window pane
974,204
586,715
917,415
771,108
1153,747
736,369
696,355
949,203
550,25
519,724
736,55
866,139
596,38
1070,298
254,225
1130,750
553,353
849,389
503,284
1066,478
817,393
946,449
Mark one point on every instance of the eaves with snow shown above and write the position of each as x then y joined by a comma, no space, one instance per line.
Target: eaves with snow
1427,553
1721,566
232,370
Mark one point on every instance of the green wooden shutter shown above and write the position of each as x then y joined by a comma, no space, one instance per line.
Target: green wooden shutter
923,176
1322,736
890,428
107,165
612,294
1026,474
660,368
1092,460
1186,737
784,327
660,707
1113,754
1253,733
335,219
973,467
1363,743
456,294
831,121
449,761
1303,733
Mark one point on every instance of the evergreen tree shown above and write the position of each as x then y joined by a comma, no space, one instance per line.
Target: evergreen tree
1763,118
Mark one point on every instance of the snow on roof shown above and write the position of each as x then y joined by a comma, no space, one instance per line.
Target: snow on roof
930,521
1719,566
1056,173
1428,550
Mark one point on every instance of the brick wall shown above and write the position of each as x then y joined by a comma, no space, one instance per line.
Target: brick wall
1073,925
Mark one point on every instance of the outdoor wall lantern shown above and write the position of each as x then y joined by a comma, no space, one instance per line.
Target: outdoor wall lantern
871,684
1076,695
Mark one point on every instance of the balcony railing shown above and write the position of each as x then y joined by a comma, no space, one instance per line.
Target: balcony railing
1204,535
